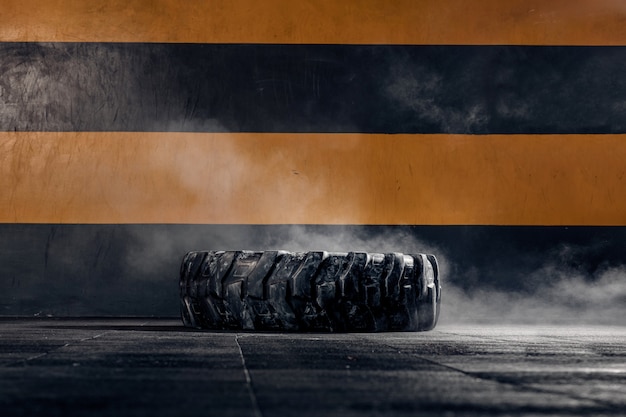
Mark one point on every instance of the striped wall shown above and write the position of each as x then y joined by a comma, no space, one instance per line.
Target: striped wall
491,134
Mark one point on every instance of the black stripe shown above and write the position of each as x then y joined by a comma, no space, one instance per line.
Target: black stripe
133,269
312,88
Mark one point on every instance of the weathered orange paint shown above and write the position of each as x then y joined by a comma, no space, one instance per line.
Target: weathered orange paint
312,178
514,22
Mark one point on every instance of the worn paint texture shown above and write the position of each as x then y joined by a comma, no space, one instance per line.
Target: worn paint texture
492,135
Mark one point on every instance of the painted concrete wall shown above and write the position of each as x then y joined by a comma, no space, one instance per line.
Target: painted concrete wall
491,134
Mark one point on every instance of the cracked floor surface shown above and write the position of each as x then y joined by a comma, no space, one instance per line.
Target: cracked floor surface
156,367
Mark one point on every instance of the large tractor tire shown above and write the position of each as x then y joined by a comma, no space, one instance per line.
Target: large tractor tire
310,291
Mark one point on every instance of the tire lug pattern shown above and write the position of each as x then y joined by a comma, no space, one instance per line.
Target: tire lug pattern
309,291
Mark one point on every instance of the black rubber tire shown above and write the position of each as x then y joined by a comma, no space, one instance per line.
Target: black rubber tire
309,291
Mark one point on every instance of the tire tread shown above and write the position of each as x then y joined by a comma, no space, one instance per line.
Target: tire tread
309,291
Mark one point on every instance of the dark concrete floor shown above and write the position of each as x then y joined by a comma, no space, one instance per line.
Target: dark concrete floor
155,367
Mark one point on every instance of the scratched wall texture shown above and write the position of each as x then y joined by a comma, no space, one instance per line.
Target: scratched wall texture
493,136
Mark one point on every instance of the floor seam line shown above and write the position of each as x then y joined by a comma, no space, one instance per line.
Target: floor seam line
249,385
601,403
41,355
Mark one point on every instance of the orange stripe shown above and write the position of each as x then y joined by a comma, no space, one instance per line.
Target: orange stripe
531,22
312,178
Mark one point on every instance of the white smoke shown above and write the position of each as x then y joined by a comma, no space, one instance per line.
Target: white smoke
561,296
419,90
554,293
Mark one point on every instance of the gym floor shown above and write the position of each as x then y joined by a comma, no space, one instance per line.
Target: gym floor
157,367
